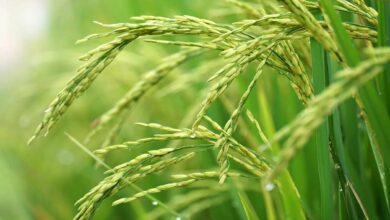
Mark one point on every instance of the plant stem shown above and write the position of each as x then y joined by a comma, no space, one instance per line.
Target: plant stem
322,134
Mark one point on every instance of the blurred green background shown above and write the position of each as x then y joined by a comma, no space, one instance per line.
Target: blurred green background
38,56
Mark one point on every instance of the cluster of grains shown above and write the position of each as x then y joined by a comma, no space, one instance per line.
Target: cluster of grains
123,175
239,151
149,80
231,126
124,34
190,179
304,17
154,190
237,44
81,82
301,129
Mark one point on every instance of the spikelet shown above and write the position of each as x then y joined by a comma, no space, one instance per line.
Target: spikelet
154,190
249,155
146,170
258,127
251,168
139,159
203,175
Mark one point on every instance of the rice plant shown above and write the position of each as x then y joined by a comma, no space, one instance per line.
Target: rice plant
295,118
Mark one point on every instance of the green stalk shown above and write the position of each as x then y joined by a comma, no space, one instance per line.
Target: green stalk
249,210
290,195
354,188
322,134
384,40
244,207
338,141
377,113
379,163
375,108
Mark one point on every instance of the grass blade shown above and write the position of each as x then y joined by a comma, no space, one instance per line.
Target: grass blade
377,113
290,194
322,134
